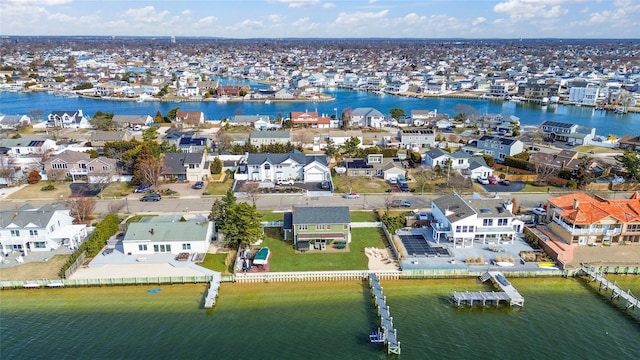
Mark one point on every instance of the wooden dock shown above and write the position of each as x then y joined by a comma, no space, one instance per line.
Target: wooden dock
212,292
508,293
630,301
388,333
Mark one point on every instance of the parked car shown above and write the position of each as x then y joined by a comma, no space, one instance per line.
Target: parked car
393,181
351,195
404,187
405,204
539,211
198,185
492,180
325,185
482,180
151,197
285,182
506,182
143,188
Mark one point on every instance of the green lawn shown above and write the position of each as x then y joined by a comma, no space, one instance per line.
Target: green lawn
219,188
215,262
271,216
33,191
359,184
363,216
542,189
284,257
117,189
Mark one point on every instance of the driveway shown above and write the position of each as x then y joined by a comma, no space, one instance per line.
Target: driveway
515,186
184,188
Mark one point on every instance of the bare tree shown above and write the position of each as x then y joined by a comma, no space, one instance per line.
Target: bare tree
56,175
81,207
544,172
149,171
223,140
253,193
7,169
424,179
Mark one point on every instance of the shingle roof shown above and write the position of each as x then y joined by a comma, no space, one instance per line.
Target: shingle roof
456,205
280,134
321,215
297,156
184,231
29,215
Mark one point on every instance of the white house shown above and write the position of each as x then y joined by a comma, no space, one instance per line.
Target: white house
465,222
366,117
167,234
292,165
8,122
28,145
68,119
28,229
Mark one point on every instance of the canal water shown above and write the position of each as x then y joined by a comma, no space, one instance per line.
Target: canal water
561,319
606,123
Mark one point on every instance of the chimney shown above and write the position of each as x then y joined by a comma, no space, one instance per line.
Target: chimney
575,203
508,206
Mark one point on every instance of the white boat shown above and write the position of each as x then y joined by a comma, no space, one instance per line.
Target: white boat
545,100
267,101
554,99
262,256
504,263
222,99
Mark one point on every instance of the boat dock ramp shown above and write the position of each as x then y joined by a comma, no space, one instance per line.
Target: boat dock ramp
212,292
630,301
386,334
508,293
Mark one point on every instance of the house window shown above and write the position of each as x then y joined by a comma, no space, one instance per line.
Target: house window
458,228
322,227
267,167
460,161
15,233
487,222
39,245
142,247
90,168
302,227
33,232
633,228
503,222
186,246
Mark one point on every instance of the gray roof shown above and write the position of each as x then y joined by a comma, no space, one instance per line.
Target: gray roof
476,162
321,215
435,153
501,140
99,135
297,156
29,215
69,156
180,231
366,112
130,119
456,205
490,208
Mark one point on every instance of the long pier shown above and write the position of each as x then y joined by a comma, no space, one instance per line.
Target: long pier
389,335
212,292
508,293
631,302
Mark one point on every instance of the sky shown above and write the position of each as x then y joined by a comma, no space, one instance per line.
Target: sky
241,19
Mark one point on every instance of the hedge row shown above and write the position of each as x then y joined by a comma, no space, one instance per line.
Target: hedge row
103,231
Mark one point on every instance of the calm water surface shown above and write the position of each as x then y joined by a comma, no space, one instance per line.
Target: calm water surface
562,319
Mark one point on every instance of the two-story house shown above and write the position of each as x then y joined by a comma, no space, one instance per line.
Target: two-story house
496,146
366,117
317,227
581,219
68,119
99,138
375,165
80,167
258,138
570,133
28,146
310,119
190,118
132,121
417,138
186,166
46,228
464,222
292,165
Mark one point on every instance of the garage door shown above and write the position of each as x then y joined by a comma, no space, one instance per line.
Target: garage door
314,177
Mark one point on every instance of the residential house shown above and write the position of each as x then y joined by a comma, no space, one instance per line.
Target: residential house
257,138
317,227
629,142
477,168
194,144
461,161
132,121
375,165
339,137
167,234
68,119
310,119
366,117
28,229
12,122
565,159
417,138
190,118
422,117
584,95
249,120
28,145
570,133
80,167
537,92
186,166
292,165
99,138
581,219
465,222
496,146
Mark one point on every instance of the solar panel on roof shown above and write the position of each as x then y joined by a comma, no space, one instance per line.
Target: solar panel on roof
417,245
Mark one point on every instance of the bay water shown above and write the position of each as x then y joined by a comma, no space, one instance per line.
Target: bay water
561,319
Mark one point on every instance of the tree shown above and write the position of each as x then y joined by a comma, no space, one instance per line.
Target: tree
241,225
81,207
56,175
224,141
34,177
490,160
147,168
7,169
515,128
424,179
397,113
172,113
150,134
544,172
216,166
350,147
115,207
159,119
331,150
631,162
103,121
583,175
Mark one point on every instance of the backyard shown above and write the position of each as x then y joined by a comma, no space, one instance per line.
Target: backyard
285,258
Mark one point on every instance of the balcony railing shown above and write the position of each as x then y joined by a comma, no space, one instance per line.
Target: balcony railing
77,171
441,227
588,231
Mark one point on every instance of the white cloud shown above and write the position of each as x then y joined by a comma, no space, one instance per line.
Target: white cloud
478,20
37,2
276,18
328,5
146,14
186,12
301,3
207,20
359,17
530,9
413,19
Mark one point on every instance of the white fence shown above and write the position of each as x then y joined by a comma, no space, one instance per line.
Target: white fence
314,276
366,224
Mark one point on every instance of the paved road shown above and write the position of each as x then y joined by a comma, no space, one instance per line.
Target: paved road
194,203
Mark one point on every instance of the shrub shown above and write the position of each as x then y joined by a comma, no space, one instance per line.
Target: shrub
34,177
48,187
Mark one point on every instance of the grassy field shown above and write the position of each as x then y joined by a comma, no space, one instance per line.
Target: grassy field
342,184
542,189
35,270
363,216
33,191
215,262
219,188
116,190
285,258
271,216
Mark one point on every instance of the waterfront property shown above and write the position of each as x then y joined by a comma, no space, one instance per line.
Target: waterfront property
292,165
509,293
318,226
496,146
628,299
581,219
566,132
389,334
